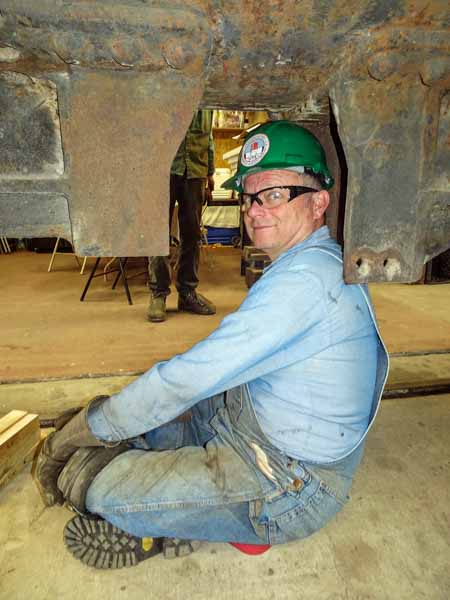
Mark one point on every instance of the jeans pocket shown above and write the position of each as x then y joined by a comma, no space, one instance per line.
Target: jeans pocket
295,516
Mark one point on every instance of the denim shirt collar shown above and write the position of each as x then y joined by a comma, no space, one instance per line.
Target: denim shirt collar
320,235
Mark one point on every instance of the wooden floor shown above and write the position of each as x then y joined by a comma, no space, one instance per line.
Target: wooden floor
46,332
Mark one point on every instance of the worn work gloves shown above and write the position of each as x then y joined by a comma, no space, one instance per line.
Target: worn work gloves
60,446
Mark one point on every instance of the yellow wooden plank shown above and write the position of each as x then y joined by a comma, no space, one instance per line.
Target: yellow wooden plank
18,445
18,426
12,417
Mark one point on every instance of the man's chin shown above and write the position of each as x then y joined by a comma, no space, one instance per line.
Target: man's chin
262,239
263,245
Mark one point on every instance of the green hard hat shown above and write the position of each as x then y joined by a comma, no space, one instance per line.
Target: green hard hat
280,145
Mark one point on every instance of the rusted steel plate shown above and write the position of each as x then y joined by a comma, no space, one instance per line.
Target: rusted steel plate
389,228
435,196
30,140
264,60
382,228
121,131
258,59
34,215
103,34
129,77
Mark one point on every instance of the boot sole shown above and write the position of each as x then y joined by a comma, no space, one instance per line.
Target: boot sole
101,545
195,312
175,548
156,320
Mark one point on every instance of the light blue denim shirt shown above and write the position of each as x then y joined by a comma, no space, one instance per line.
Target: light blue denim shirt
303,341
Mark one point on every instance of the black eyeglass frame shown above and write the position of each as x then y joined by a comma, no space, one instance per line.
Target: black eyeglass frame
294,192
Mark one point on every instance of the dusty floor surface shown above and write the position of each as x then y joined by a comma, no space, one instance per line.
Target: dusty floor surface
47,332
391,542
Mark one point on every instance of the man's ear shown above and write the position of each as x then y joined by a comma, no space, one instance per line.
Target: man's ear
321,200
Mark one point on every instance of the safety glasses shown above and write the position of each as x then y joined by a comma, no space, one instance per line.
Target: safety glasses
273,196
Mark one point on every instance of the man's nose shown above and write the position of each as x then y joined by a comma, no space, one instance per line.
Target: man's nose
255,209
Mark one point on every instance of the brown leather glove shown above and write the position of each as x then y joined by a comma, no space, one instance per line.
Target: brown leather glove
59,447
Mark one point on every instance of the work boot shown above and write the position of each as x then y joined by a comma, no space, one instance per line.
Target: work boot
156,312
174,547
195,303
101,545
59,446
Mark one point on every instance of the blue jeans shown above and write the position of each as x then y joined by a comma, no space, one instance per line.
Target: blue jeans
192,485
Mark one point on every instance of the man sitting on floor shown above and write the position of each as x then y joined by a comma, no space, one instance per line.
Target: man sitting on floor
254,434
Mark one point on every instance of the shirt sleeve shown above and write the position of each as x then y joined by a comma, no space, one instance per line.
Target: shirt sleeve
278,308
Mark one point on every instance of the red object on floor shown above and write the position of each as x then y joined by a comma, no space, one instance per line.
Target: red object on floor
251,548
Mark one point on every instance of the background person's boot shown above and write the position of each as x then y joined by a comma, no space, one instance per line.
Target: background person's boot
156,312
195,303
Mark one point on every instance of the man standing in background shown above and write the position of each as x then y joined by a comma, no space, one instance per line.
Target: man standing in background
191,177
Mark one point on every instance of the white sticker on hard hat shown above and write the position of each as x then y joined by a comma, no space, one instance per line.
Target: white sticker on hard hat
254,150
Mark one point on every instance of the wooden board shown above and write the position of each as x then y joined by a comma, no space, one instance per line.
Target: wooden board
19,438
10,419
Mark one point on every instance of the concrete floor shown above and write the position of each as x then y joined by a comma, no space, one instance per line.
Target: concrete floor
391,542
